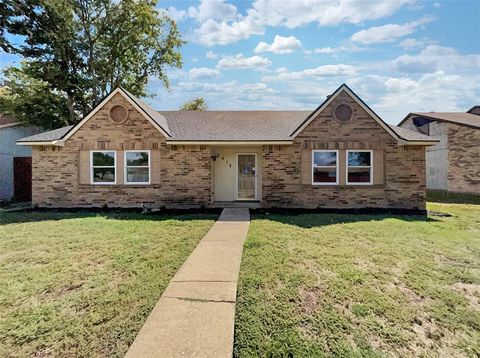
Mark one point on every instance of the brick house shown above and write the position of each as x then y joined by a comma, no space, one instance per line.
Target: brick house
453,164
125,154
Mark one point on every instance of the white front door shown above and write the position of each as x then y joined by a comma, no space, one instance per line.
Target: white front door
246,176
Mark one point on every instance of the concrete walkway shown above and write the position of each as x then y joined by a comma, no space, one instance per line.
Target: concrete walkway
195,315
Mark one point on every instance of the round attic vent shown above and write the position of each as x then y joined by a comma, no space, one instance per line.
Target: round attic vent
118,114
343,112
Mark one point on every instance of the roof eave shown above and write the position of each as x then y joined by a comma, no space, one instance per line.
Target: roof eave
404,142
229,142
57,143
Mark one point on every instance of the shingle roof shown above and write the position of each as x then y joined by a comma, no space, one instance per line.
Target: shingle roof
47,136
153,114
412,136
229,126
233,125
468,119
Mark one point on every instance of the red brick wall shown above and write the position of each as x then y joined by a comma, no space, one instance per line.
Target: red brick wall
185,171
404,177
463,159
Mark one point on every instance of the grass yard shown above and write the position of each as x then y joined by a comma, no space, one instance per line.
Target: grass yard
82,284
321,285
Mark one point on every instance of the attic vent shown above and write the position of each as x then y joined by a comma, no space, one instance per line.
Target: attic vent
118,114
343,113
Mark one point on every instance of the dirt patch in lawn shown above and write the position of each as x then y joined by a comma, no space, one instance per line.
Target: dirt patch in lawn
470,291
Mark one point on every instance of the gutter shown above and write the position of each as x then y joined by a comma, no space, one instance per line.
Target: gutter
228,142
57,143
403,142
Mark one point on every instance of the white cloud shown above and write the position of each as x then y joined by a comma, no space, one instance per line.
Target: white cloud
280,45
436,5
212,32
409,44
213,9
335,50
293,14
313,73
325,50
389,32
226,87
436,91
239,61
177,15
435,58
220,23
202,72
211,55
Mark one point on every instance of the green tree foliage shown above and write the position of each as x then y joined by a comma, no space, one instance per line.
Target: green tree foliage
76,51
198,104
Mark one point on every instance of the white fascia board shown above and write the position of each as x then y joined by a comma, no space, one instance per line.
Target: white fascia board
186,142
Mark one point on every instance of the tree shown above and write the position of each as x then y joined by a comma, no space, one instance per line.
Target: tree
197,104
76,51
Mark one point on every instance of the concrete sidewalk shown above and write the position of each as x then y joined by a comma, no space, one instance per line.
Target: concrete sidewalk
195,315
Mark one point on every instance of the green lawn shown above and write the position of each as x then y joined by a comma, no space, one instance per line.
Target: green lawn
320,285
81,285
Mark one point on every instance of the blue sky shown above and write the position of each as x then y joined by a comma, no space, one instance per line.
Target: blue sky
398,55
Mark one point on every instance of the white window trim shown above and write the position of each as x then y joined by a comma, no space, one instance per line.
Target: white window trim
361,166
99,166
327,166
125,166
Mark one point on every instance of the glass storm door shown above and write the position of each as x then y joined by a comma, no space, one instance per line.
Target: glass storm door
246,177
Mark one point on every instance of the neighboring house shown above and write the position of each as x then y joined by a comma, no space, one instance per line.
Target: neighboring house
15,161
125,154
453,164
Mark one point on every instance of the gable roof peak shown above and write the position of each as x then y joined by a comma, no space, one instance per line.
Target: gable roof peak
344,88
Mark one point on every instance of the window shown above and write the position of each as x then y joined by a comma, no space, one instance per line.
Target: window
324,167
137,167
359,167
102,169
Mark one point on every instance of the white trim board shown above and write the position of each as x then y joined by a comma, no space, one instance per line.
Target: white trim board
337,166
53,142
125,167
227,143
365,167
92,182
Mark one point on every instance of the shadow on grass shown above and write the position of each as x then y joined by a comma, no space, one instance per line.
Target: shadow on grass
437,196
311,220
33,215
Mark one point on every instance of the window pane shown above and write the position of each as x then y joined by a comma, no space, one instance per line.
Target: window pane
324,175
137,159
325,158
104,175
359,159
137,175
359,175
103,159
